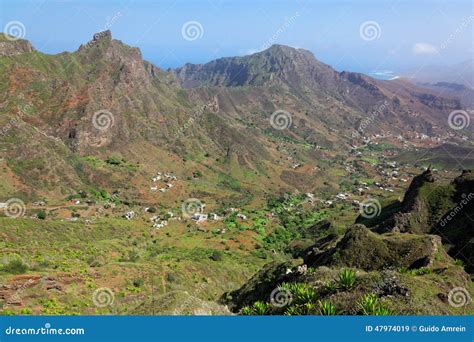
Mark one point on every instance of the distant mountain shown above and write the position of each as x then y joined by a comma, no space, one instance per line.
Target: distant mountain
277,64
156,117
464,93
299,72
461,73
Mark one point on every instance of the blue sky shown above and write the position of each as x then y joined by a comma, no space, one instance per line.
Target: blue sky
407,33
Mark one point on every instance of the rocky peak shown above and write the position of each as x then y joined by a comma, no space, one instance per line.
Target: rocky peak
102,35
10,47
98,39
417,182
279,63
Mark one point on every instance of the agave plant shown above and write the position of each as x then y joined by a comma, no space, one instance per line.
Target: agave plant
260,308
326,308
369,304
347,279
246,311
384,311
302,293
293,310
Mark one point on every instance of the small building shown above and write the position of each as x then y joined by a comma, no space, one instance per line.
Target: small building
129,215
199,218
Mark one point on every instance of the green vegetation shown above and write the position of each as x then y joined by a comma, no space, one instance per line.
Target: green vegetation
15,266
41,215
370,305
326,308
257,308
347,279
301,293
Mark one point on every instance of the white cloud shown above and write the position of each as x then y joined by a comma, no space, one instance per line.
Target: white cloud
424,49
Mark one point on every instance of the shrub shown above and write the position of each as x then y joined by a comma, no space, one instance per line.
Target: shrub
138,282
25,311
41,215
15,266
217,256
347,279
132,256
113,160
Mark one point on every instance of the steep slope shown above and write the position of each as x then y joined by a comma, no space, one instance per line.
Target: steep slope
63,116
297,71
398,272
101,100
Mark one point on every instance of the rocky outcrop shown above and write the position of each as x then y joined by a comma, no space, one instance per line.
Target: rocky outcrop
413,214
456,226
10,48
258,287
364,249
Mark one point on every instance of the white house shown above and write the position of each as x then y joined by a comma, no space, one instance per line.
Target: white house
199,217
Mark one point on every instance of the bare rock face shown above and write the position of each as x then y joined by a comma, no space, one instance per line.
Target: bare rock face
457,225
413,215
10,48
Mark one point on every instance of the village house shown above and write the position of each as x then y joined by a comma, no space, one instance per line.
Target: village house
199,218
242,216
129,215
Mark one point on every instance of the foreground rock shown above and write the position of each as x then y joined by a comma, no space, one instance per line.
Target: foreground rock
364,249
